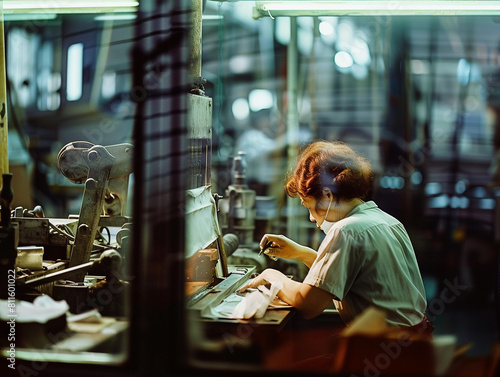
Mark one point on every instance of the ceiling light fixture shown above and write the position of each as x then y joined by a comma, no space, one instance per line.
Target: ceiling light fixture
374,7
69,6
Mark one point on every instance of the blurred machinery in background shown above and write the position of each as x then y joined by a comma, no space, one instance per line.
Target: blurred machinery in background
238,215
239,204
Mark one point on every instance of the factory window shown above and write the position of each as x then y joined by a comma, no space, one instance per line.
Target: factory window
74,85
108,85
22,69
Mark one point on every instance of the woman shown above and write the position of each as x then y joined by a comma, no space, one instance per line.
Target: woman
366,258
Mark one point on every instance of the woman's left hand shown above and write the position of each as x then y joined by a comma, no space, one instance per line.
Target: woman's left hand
265,278
309,300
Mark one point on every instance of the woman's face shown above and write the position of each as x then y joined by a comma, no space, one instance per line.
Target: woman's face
317,209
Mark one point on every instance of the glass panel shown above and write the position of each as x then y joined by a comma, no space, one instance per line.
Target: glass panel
417,96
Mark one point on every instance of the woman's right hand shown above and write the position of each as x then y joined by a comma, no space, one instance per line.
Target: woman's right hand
280,246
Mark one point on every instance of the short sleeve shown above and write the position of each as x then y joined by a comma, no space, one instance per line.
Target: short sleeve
337,264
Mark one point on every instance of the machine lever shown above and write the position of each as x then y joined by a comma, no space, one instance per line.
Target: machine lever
105,171
99,162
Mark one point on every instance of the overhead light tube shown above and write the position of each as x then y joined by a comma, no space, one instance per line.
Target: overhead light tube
68,6
374,7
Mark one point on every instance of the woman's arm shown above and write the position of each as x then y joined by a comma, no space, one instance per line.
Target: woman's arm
307,256
308,300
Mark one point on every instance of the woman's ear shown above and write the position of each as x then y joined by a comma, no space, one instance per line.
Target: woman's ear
327,193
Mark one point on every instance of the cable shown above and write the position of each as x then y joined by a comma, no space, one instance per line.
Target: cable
102,238
71,237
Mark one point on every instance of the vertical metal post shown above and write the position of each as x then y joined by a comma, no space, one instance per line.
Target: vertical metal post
292,127
195,39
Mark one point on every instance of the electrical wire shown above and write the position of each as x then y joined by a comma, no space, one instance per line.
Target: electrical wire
68,234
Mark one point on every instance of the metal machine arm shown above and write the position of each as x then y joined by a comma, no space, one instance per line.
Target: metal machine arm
96,166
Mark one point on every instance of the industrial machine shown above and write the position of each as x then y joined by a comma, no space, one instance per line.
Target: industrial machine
70,260
217,226
212,299
240,203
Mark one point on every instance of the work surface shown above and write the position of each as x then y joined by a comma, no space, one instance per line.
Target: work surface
104,339
222,305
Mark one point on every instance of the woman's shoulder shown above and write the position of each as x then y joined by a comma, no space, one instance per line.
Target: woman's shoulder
364,217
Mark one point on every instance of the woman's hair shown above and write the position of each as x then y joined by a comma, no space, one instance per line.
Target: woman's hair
332,165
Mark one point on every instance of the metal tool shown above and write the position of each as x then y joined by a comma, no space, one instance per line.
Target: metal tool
96,166
267,245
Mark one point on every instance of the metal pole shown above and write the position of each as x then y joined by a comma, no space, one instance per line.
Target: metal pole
292,127
195,37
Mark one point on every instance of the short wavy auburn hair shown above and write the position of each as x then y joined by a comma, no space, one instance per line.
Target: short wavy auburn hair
333,165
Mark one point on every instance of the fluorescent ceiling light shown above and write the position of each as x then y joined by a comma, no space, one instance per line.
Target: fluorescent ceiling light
116,17
374,7
69,6
211,17
29,16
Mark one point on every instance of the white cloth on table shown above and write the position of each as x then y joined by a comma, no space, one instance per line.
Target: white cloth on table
251,304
